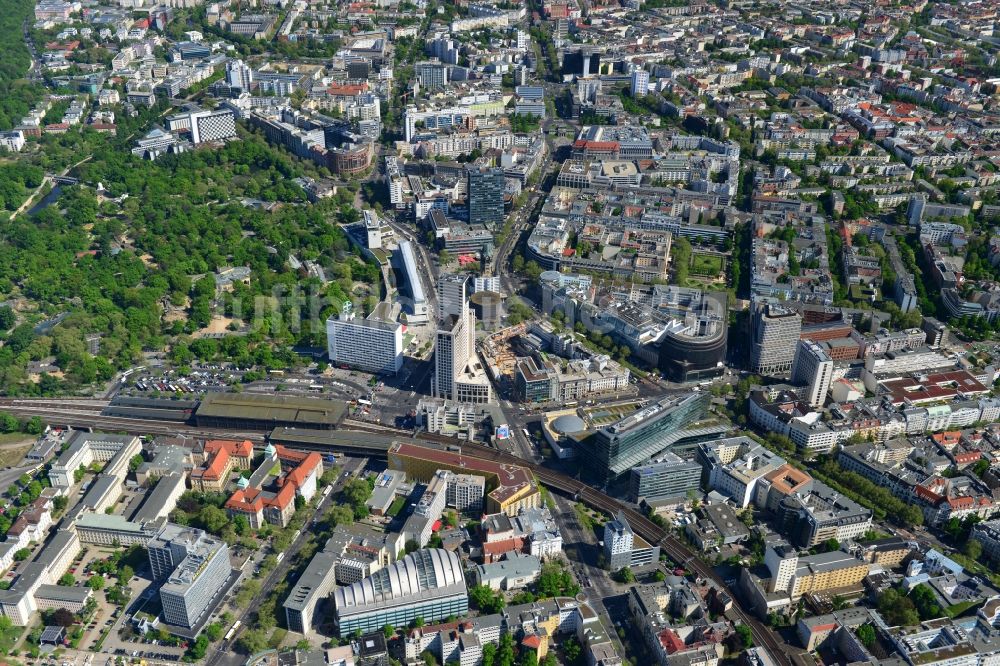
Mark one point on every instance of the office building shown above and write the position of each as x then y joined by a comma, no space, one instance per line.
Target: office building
428,583
693,346
486,186
669,477
821,513
540,379
408,281
778,484
814,368
486,283
107,530
582,63
215,125
454,347
85,448
813,574
734,466
618,540
465,492
373,344
311,588
195,568
102,493
775,334
239,75
640,83
624,548
617,448
452,294
431,74
509,488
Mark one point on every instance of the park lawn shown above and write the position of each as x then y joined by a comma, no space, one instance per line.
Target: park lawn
9,635
277,637
706,264
14,447
396,507
958,609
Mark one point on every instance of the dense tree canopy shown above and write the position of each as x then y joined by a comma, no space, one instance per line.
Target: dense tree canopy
117,264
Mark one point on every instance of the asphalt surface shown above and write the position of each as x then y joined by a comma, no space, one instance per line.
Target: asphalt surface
583,549
225,654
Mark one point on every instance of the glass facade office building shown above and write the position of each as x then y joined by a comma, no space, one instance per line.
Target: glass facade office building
617,448
486,197
669,477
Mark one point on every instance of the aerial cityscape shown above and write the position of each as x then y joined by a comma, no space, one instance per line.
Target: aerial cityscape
492,333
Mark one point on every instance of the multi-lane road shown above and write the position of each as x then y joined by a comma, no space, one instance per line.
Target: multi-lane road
224,654
84,413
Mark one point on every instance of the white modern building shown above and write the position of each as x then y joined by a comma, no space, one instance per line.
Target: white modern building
618,539
374,344
453,347
465,492
814,368
12,141
735,465
215,125
452,294
239,75
194,567
640,82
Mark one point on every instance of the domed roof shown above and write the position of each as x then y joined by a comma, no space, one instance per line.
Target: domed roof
427,573
567,424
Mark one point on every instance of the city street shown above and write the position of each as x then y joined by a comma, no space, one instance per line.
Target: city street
582,548
224,653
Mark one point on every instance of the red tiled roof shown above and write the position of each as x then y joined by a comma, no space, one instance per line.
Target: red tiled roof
595,145
216,465
823,627
253,500
218,452
532,641
242,449
500,547
347,89
670,641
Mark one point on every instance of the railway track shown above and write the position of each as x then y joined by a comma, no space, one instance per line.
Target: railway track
643,526
85,404
88,417
86,414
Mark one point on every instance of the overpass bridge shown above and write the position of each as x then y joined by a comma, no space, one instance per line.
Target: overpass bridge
354,438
